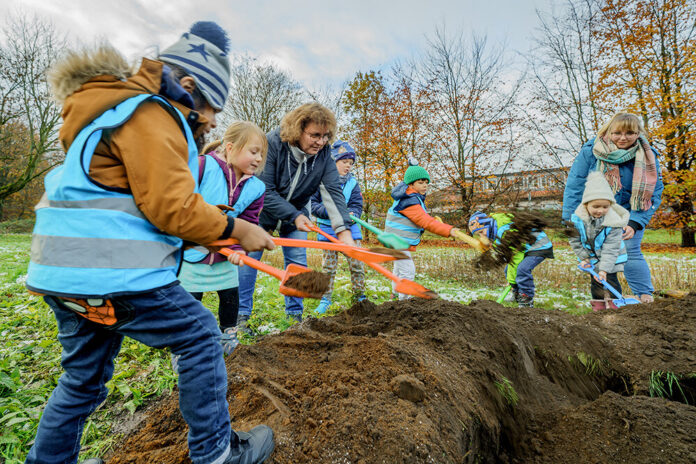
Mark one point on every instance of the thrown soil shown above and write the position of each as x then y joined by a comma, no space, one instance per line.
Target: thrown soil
312,283
431,381
514,240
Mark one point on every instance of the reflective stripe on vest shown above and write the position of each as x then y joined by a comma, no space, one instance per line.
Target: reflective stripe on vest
215,190
402,226
90,241
598,241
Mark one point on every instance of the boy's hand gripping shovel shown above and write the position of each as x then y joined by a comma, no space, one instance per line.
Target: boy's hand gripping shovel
620,300
406,286
387,239
480,244
283,276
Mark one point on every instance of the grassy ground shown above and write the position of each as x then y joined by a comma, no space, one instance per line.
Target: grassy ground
30,353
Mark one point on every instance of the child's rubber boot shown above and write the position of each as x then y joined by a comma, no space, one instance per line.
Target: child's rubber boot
598,305
360,298
525,301
324,304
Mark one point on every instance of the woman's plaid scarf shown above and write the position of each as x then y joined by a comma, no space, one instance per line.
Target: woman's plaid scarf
644,171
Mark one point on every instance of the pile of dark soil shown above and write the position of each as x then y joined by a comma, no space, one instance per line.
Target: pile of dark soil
312,283
430,381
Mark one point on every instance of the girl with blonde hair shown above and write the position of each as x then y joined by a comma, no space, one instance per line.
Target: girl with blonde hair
226,177
622,153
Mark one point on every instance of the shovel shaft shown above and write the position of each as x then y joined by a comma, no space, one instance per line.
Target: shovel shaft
353,252
366,225
601,281
502,296
256,264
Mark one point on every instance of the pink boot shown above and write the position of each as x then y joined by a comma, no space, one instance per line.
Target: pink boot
598,305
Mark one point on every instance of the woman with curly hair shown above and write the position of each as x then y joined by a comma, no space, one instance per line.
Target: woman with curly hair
298,164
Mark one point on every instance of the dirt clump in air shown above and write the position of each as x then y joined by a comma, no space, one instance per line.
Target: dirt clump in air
431,381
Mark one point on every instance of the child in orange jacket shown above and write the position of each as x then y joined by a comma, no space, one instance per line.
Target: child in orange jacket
409,218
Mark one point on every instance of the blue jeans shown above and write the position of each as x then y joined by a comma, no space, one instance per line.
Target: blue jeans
247,277
636,269
169,317
525,281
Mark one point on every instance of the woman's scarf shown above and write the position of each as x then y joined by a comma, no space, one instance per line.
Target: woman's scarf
609,156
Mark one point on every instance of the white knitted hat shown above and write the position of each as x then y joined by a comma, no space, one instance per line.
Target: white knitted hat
597,188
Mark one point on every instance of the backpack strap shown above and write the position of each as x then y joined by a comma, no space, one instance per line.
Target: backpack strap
201,168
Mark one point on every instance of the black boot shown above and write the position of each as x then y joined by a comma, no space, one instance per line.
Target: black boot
525,301
252,447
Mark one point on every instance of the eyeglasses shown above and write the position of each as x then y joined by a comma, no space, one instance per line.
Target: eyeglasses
317,136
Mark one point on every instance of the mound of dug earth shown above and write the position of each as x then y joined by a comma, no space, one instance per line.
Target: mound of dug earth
430,381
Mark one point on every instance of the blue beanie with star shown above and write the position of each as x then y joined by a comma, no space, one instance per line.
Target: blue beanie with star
203,53
342,150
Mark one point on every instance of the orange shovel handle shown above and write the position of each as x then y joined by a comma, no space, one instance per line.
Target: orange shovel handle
254,263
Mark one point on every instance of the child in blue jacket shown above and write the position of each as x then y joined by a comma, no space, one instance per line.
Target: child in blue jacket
344,156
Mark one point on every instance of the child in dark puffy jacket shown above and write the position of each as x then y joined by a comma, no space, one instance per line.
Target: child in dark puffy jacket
409,218
344,156
599,221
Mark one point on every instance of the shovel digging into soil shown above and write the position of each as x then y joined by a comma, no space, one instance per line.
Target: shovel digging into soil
295,281
620,300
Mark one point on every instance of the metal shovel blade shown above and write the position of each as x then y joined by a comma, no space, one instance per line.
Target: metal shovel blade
412,288
393,241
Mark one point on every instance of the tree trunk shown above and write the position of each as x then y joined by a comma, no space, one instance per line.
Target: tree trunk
688,239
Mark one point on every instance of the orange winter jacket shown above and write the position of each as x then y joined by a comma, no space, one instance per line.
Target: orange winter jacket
419,217
147,156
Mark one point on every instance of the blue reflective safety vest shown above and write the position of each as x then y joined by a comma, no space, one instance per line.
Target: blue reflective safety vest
216,191
92,241
598,241
402,226
325,224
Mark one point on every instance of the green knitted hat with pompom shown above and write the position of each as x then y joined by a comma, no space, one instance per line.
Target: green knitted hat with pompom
414,173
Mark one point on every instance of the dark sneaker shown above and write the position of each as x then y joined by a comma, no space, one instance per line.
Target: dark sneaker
525,301
229,340
93,461
243,324
297,317
253,447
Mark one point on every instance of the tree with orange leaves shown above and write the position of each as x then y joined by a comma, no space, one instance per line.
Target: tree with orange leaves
384,123
648,63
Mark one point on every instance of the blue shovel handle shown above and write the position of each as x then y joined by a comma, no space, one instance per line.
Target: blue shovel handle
602,281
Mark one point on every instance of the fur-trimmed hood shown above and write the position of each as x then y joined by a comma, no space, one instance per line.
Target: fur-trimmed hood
617,216
77,67
90,82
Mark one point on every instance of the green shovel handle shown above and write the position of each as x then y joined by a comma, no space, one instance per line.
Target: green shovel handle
502,296
366,225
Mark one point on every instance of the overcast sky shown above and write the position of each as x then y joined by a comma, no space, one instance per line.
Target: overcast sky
319,42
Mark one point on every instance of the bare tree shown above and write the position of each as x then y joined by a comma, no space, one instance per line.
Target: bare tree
471,113
261,93
29,118
563,111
